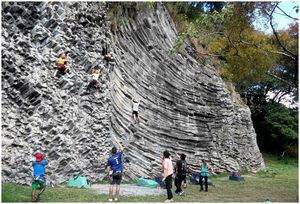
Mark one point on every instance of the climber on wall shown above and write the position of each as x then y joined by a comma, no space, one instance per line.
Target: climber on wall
105,48
115,164
62,63
38,181
109,61
96,72
135,110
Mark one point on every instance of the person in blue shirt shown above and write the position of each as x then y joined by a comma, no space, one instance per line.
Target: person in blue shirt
204,169
39,181
114,165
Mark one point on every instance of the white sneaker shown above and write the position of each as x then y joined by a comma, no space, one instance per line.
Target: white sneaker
110,200
116,199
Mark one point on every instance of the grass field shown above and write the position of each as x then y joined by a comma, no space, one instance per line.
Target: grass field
279,183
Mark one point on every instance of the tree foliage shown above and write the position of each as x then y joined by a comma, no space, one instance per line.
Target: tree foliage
276,127
119,13
256,62
249,55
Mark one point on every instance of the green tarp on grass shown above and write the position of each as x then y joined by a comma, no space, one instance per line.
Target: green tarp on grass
147,182
78,182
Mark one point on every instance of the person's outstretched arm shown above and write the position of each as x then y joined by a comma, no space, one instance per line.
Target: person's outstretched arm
119,144
107,169
211,169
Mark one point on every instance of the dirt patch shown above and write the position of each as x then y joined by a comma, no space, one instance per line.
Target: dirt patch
130,190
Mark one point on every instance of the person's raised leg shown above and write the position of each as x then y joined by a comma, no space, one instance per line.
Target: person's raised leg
43,187
137,117
55,72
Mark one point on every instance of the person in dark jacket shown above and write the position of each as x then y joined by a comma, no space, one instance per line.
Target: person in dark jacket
180,171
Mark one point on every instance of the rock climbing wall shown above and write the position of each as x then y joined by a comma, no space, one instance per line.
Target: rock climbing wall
185,106
53,114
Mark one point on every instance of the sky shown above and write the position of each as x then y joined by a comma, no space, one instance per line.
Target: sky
281,20
287,6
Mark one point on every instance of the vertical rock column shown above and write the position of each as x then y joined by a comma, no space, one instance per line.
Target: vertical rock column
52,114
185,106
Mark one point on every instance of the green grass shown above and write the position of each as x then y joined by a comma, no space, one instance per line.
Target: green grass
279,183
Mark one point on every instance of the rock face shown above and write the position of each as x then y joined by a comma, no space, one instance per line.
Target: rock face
185,106
51,114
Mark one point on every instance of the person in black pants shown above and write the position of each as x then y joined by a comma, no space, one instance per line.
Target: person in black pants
168,182
184,183
205,168
180,170
167,174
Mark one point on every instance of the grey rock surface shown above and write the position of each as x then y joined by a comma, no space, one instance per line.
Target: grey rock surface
185,107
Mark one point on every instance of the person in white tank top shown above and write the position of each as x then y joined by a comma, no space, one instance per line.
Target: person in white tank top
135,110
94,78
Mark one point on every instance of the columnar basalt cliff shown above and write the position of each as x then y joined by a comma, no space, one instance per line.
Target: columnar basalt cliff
185,106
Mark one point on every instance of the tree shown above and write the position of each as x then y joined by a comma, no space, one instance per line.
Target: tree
248,56
286,41
276,127
257,63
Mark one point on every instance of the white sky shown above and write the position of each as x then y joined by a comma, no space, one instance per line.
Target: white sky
287,6
280,19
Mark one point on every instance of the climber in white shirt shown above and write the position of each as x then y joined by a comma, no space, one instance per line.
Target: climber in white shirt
95,76
135,110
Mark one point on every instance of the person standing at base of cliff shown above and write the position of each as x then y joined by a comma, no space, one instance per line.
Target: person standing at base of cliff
135,110
180,171
115,164
38,182
204,169
184,185
167,174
